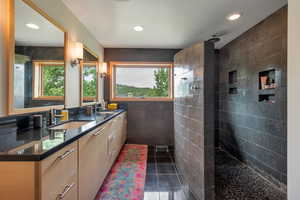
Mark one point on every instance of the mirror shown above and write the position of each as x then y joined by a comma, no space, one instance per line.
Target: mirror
89,77
38,68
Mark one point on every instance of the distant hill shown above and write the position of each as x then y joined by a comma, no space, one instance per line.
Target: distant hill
131,91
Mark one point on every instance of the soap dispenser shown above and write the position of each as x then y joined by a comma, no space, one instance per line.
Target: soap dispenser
65,114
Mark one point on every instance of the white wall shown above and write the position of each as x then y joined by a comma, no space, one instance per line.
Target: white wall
76,32
293,100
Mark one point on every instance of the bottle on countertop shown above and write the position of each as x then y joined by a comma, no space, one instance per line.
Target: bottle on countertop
65,115
103,105
89,110
37,121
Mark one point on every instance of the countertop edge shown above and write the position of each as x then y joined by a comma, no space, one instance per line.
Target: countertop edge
40,157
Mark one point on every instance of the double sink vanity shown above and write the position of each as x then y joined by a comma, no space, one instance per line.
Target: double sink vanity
66,161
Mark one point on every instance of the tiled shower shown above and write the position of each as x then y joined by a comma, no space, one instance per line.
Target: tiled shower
252,122
250,95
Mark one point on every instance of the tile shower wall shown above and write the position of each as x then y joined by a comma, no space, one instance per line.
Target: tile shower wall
194,118
252,130
150,122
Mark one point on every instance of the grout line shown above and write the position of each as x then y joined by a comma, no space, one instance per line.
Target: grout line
261,132
156,174
167,174
176,171
248,115
186,196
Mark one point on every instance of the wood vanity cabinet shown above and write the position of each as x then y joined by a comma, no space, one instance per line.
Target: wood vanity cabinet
53,178
76,172
93,161
97,153
117,137
59,174
123,128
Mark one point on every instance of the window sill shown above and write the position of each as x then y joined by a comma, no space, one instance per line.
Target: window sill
44,98
89,99
143,99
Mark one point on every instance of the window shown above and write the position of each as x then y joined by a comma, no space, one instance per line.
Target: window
48,80
89,82
141,81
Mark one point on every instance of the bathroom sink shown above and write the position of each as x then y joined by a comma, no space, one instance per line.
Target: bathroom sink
70,125
106,112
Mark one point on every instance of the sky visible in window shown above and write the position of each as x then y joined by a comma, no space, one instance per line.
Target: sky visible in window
88,75
137,77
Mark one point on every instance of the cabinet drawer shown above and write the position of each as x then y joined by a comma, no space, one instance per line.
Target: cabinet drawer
58,173
93,161
69,191
101,129
122,116
116,123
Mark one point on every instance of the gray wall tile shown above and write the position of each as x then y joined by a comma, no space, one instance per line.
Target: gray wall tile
194,118
255,131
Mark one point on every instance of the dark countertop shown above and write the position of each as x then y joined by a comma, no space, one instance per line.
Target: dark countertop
37,144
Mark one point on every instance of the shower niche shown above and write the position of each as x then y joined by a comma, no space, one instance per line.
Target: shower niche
267,85
232,82
267,80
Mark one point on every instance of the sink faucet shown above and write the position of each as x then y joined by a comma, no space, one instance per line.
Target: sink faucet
97,108
53,116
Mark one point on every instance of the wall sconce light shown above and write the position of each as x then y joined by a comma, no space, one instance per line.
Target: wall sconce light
103,70
77,54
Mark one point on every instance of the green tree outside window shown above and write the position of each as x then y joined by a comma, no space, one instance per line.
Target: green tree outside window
160,89
89,81
53,80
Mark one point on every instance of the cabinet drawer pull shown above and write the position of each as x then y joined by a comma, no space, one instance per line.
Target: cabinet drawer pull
108,147
65,191
66,154
99,132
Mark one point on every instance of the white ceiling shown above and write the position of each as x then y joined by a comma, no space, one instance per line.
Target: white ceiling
47,35
168,23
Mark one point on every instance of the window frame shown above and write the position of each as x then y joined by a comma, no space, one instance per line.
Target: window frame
37,79
82,98
112,78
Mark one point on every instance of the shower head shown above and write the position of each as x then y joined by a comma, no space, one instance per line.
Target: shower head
214,40
217,37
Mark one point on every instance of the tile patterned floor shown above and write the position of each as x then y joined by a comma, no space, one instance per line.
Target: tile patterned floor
234,181
162,180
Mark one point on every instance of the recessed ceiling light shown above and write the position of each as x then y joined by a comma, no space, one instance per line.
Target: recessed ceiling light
234,16
33,26
138,28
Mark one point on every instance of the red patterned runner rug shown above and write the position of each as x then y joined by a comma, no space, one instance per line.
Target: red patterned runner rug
126,180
